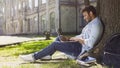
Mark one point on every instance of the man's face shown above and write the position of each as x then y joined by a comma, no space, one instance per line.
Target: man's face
87,16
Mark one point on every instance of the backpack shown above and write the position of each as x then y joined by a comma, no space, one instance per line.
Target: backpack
111,56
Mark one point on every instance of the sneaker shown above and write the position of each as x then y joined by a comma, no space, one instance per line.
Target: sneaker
28,58
90,60
86,62
46,57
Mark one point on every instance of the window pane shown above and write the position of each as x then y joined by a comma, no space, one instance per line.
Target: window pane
36,3
30,4
43,1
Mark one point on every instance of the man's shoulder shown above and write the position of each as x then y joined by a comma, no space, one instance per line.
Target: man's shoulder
96,21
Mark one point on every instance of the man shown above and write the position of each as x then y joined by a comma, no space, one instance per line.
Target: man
76,45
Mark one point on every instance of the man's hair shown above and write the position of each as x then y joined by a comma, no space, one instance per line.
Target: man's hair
90,8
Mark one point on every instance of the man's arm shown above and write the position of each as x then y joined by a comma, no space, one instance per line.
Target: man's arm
77,40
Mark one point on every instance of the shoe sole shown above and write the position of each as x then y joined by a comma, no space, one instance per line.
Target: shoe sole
90,62
85,63
82,63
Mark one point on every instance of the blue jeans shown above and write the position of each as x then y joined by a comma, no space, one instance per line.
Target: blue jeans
70,48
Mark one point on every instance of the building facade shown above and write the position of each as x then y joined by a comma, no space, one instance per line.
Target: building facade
38,16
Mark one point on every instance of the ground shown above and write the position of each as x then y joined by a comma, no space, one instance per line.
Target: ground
11,60
16,62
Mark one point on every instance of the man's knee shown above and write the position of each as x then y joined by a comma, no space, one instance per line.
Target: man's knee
56,42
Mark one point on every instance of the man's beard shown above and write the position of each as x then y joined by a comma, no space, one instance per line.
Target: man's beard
89,20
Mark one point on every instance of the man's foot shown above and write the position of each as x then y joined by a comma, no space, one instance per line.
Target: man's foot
90,60
28,58
86,61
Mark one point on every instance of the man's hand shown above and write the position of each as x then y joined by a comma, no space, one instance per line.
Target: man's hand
77,40
64,38
81,41
73,39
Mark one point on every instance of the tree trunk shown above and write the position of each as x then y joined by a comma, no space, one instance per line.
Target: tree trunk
86,2
109,12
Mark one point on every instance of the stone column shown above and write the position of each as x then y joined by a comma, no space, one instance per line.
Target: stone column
57,14
33,4
17,11
38,9
40,28
4,15
40,2
47,16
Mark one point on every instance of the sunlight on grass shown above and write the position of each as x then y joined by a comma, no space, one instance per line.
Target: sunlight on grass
23,66
24,48
30,47
65,64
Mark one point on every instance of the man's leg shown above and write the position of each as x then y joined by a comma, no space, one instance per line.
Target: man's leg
73,48
30,57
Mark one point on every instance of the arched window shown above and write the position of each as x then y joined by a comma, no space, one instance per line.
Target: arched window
36,3
19,6
30,4
43,23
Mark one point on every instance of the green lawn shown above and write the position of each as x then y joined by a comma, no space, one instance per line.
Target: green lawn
29,47
24,48
10,53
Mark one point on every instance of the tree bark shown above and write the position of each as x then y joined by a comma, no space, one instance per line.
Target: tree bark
86,2
109,12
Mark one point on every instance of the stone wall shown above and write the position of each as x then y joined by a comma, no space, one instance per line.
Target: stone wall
35,17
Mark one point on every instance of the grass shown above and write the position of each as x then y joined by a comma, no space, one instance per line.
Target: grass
30,47
24,48
12,52
65,64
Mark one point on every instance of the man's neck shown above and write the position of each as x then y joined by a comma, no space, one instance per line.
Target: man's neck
93,17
